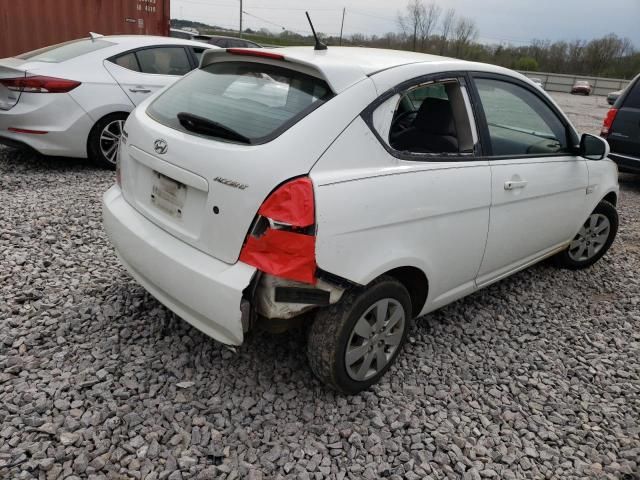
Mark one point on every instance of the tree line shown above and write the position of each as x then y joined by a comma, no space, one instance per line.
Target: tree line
426,27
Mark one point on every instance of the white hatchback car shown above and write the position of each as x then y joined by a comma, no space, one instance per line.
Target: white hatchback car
72,99
367,188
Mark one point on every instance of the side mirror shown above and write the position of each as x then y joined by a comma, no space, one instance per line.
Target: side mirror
593,148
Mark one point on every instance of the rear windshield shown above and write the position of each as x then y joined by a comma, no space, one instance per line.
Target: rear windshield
65,51
239,101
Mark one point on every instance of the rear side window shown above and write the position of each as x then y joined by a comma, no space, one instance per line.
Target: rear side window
429,118
127,61
164,61
519,122
65,51
633,98
239,101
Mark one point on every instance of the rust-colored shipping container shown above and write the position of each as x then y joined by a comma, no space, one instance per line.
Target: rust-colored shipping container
30,24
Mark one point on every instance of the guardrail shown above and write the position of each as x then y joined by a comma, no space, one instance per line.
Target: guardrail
557,82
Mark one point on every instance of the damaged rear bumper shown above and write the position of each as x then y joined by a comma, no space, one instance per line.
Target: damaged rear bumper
204,291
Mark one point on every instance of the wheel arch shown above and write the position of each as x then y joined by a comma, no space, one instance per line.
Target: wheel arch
416,283
612,198
92,131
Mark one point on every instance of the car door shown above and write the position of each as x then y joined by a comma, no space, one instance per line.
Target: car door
403,187
144,71
539,183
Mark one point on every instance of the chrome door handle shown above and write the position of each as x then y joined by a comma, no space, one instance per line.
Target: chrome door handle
139,90
513,184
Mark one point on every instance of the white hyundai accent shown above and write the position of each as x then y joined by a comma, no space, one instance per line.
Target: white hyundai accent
72,99
351,190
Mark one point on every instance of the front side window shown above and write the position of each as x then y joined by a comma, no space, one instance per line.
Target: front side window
241,102
164,61
519,122
430,118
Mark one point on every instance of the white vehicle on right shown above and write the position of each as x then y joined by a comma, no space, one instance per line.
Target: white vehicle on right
351,190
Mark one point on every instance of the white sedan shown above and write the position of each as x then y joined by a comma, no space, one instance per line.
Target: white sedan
72,99
368,188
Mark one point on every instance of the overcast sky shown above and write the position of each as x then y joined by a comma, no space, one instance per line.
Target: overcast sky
513,21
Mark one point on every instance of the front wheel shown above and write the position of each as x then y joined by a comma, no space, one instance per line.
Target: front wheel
353,343
104,139
593,239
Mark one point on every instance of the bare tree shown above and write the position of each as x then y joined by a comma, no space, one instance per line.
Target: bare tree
411,22
464,32
431,15
447,26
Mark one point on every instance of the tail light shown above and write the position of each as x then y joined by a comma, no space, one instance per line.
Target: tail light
608,122
282,240
39,84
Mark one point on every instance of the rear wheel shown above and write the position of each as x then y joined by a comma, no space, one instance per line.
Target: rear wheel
593,239
353,343
104,139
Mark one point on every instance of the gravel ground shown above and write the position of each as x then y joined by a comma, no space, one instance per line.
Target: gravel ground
586,113
535,377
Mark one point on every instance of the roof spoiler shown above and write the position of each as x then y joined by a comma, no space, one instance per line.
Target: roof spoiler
214,54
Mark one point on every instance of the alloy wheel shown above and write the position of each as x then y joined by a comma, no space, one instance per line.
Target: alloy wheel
110,140
374,339
591,238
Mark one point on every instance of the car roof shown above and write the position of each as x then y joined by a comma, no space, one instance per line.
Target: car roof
341,67
142,40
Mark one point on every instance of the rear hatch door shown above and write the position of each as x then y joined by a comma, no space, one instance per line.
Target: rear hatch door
254,127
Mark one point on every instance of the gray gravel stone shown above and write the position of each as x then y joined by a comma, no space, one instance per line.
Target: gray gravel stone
537,376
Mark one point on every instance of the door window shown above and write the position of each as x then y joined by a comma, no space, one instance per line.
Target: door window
164,61
127,61
519,122
430,118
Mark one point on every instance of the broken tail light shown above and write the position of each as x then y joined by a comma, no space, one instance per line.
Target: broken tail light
282,240
39,84
608,122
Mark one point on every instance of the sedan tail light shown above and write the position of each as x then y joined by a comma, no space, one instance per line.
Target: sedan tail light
608,122
39,84
282,240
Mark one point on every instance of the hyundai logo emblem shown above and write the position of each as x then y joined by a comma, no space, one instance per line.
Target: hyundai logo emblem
160,146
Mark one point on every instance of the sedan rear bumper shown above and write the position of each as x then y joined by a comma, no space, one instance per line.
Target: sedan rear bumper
202,290
66,124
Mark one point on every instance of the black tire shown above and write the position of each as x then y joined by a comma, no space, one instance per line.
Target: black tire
95,143
331,331
565,260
